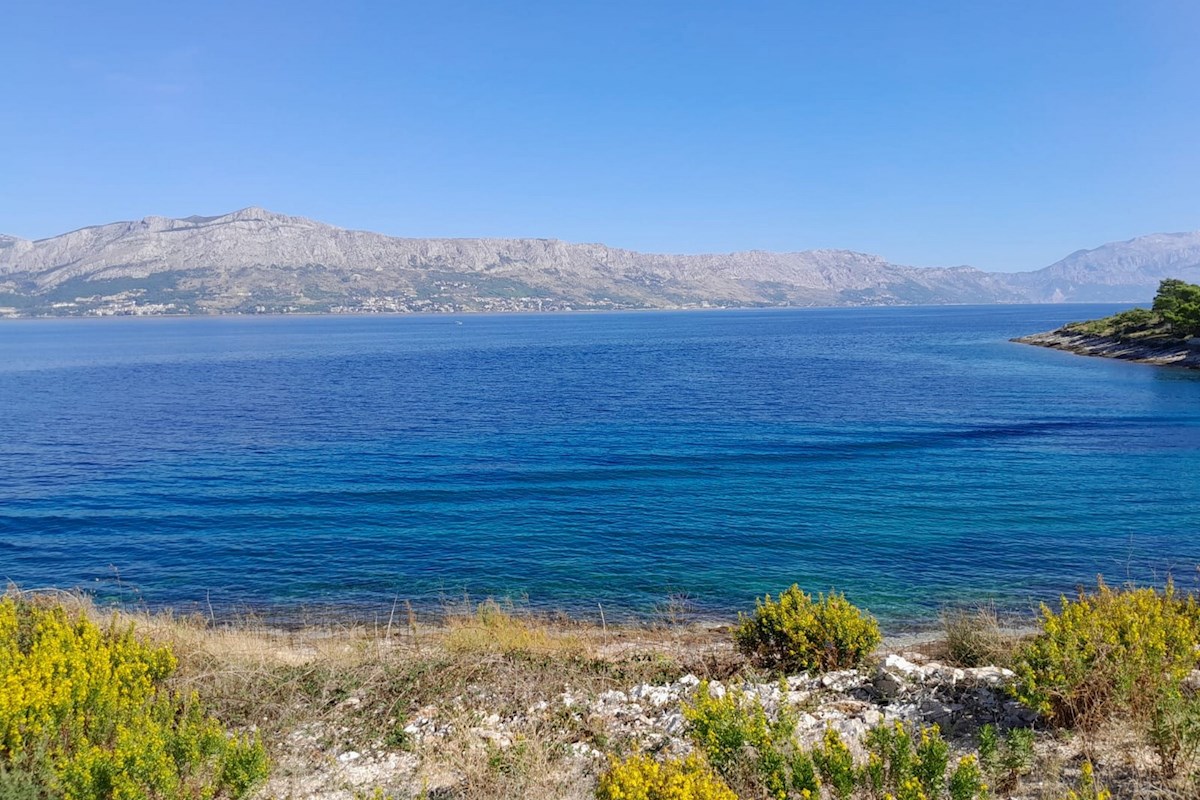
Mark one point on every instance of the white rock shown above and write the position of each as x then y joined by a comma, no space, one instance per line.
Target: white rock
348,756
673,724
889,684
842,680
944,675
990,676
902,666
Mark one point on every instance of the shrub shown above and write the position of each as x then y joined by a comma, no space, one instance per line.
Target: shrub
1107,651
902,762
989,748
1174,729
890,758
643,778
1005,759
746,747
760,758
86,710
1016,757
835,763
798,634
1130,325
966,782
933,757
1179,304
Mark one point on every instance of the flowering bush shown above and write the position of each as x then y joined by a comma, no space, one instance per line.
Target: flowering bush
1107,651
798,633
84,710
643,778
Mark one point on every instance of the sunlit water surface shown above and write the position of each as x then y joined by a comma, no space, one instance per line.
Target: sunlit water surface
912,457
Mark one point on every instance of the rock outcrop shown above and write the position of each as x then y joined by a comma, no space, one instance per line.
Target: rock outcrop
1162,352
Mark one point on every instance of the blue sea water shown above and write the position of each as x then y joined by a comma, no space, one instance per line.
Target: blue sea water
909,456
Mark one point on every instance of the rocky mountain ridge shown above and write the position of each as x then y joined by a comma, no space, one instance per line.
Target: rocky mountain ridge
254,260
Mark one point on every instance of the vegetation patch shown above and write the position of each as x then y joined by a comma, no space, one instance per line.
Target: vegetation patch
797,633
1175,314
1106,652
85,714
643,778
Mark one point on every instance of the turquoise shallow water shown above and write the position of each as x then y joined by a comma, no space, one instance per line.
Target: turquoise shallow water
911,457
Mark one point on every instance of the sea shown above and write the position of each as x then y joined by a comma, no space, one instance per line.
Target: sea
642,465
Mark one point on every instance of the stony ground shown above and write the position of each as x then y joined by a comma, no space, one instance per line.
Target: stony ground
511,709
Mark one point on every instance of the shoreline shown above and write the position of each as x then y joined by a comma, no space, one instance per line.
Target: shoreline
311,621
548,313
1157,352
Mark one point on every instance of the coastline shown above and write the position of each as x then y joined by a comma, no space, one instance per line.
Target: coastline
1157,352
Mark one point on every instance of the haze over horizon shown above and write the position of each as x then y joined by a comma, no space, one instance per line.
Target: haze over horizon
933,135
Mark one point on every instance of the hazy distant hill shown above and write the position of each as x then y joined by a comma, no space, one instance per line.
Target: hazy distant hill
1118,271
255,260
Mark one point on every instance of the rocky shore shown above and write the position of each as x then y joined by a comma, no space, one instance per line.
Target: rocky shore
1161,351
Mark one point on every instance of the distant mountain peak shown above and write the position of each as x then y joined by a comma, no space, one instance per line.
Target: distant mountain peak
259,214
255,260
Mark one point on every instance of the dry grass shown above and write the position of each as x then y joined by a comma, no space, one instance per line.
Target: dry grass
355,688
976,637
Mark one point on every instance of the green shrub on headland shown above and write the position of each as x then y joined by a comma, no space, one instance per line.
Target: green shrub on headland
1175,314
797,633
1179,304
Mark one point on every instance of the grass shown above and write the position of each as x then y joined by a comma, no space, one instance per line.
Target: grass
976,637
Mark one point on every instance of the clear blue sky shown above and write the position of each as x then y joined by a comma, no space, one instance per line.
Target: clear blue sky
1002,134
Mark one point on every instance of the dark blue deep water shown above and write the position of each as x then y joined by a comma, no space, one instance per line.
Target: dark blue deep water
912,457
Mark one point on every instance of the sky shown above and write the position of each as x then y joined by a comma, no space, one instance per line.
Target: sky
1001,134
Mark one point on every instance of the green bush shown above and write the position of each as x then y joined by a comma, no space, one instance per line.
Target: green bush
755,754
85,714
1107,651
1174,729
1131,324
835,763
797,633
966,782
1179,304
759,757
906,762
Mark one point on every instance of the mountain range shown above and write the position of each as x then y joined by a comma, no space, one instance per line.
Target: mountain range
255,260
